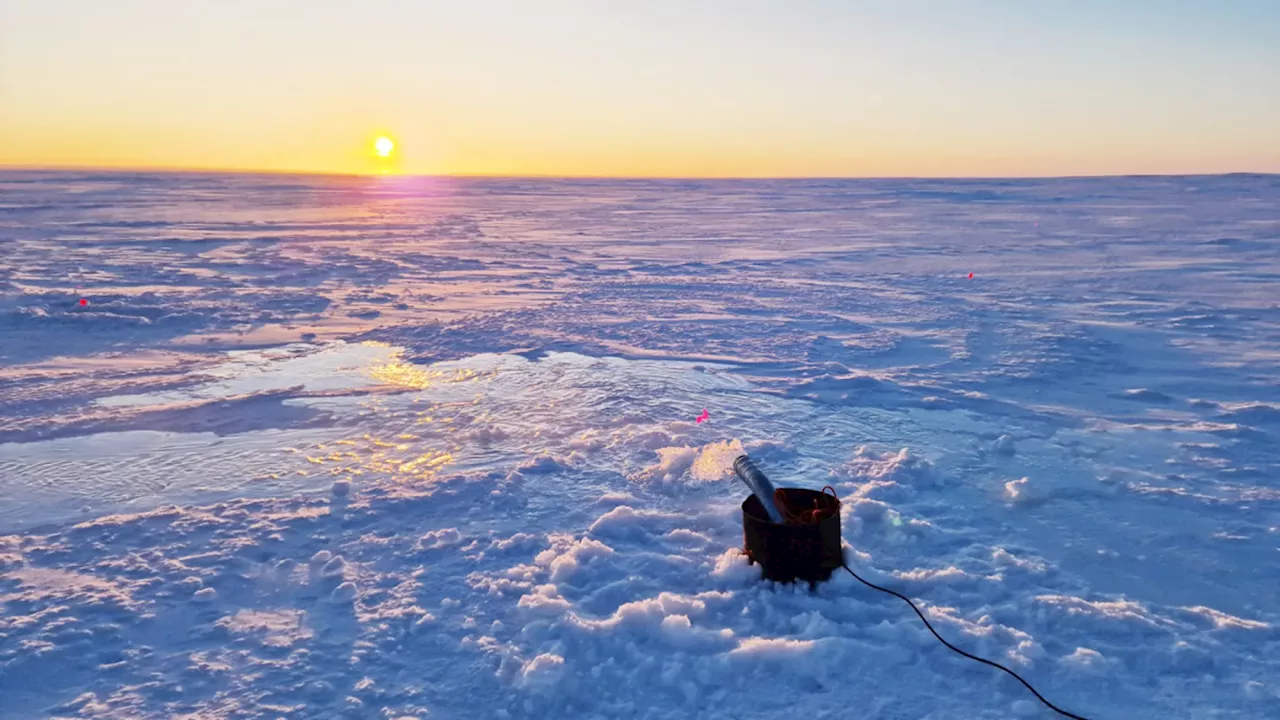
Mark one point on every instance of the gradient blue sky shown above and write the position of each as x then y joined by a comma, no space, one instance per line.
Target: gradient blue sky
653,87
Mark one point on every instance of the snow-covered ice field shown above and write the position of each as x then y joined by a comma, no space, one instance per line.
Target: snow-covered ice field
425,448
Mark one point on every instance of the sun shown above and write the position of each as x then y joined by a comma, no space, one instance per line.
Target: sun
384,146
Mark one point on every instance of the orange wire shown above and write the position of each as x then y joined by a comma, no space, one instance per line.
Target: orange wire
807,517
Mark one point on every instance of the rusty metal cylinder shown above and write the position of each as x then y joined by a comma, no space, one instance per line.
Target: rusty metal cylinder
788,553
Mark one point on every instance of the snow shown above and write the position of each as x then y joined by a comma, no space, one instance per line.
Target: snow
408,447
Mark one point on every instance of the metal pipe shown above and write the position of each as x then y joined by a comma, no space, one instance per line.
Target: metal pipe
759,484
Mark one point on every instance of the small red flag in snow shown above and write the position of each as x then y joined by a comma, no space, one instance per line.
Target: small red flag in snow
83,302
703,416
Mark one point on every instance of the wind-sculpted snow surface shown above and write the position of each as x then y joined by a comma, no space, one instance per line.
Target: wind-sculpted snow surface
428,448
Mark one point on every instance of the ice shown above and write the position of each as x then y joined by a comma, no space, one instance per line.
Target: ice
405,447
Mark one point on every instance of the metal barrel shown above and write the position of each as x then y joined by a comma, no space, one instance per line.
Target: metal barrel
759,484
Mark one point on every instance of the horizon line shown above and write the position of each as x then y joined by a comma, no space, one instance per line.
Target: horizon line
165,169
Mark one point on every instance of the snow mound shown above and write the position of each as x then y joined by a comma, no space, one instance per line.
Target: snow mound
733,566
1084,660
588,441
1005,446
615,498
1004,558
567,555
694,465
335,568
542,674
543,464
1250,413
1023,492
1145,395
772,649
626,521
443,538
899,467
487,435
344,594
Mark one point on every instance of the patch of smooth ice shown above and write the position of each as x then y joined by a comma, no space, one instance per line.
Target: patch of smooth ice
337,366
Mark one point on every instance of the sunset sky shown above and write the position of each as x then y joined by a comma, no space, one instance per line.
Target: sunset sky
704,88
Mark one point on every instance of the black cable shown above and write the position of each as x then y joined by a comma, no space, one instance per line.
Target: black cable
1053,707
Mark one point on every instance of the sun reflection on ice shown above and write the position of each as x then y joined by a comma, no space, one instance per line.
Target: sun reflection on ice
398,461
409,375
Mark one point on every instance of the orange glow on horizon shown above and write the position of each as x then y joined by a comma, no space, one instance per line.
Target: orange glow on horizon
639,89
